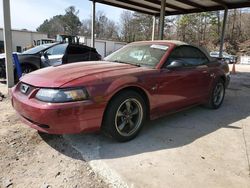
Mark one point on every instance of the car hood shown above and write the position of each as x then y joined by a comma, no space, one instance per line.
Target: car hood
60,75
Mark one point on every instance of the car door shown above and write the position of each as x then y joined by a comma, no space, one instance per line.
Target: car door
185,85
54,55
77,53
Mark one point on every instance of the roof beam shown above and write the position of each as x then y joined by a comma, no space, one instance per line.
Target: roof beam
139,5
193,4
124,7
213,8
157,2
220,2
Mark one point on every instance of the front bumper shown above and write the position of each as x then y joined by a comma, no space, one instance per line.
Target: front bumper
57,118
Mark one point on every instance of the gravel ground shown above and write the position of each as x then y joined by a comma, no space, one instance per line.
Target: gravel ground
30,159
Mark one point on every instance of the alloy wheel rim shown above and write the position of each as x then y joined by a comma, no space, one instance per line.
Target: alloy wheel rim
128,117
218,94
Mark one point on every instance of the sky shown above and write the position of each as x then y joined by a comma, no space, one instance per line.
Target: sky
29,14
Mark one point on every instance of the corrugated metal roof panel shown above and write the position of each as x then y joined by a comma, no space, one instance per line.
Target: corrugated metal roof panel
175,7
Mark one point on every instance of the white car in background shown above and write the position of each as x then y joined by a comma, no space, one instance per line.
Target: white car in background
227,57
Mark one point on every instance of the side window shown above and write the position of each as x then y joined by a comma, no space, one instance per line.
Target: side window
192,56
57,50
75,50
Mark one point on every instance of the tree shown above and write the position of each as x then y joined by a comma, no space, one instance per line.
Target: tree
68,23
127,26
71,21
135,26
104,27
52,27
197,28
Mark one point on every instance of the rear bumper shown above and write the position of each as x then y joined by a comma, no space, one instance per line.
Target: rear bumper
60,118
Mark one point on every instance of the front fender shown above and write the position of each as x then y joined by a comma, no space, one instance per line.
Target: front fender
123,83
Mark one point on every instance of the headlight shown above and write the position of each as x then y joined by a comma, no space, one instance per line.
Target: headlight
62,95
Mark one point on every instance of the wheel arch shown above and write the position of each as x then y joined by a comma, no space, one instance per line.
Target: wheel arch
223,78
134,88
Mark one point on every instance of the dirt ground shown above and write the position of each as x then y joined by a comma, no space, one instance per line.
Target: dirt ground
29,159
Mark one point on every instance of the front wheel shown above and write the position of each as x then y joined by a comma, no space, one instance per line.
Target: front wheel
217,95
125,116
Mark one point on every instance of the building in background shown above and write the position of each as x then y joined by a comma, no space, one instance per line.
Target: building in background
103,47
22,39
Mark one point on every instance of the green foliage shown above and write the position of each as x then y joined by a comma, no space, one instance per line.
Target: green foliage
68,23
104,27
196,28
202,29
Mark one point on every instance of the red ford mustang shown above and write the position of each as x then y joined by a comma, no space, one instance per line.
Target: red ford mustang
142,80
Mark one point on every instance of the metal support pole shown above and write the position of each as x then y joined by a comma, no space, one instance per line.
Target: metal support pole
93,25
8,43
153,28
223,32
162,18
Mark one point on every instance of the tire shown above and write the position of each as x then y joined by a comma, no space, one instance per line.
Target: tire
124,116
217,96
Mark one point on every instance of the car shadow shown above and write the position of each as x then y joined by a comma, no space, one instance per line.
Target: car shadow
61,145
172,131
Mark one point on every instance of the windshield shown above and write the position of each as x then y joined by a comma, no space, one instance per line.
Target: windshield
37,49
139,55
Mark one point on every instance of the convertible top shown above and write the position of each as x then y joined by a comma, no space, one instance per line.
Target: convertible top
176,42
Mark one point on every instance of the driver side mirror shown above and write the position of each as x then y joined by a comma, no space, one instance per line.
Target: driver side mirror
176,64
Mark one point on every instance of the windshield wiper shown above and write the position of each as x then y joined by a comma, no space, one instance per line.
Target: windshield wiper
117,61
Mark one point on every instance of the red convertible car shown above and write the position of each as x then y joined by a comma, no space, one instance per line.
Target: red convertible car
143,80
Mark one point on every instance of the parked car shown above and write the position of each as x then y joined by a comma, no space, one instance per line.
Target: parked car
118,94
52,54
2,64
225,56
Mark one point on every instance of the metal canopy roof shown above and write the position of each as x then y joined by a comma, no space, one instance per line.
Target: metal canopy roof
175,7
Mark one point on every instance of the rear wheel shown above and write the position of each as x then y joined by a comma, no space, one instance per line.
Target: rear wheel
217,95
125,116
